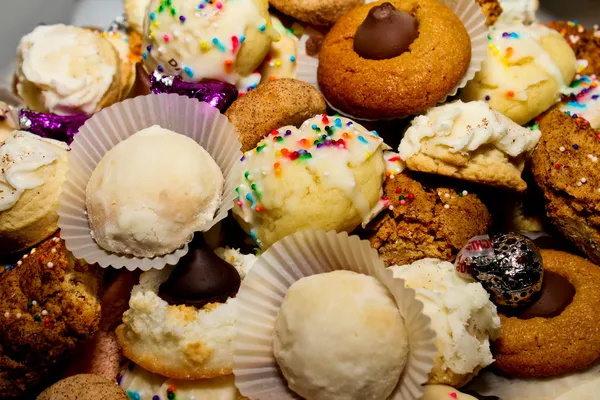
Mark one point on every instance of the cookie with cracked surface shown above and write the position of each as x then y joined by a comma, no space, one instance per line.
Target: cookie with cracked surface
316,12
426,220
83,387
564,166
545,346
491,9
394,86
275,104
50,303
584,42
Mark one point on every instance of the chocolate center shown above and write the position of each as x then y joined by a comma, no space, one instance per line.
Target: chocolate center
556,294
200,277
386,33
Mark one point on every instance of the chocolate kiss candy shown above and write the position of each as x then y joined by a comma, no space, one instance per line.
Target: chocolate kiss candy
200,277
508,266
557,293
386,33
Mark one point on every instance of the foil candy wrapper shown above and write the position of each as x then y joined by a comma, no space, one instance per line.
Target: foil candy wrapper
509,266
51,126
216,93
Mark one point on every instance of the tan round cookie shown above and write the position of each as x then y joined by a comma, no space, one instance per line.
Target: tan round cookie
278,103
426,220
545,347
83,387
565,167
316,12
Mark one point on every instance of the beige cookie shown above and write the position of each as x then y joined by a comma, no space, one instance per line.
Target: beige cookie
316,12
135,12
278,103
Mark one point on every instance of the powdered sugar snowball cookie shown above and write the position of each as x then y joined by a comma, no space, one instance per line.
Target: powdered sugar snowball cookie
469,141
66,70
151,192
327,174
462,315
225,40
524,72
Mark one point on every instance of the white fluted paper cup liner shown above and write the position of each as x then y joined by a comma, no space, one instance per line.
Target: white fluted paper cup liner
469,13
201,122
303,254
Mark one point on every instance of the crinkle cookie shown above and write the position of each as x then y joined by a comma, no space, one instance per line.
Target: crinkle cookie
565,167
49,303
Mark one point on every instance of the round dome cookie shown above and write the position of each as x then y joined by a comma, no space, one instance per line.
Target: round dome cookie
561,335
83,387
584,42
316,12
564,166
397,86
270,106
49,303
135,13
525,69
491,9
425,219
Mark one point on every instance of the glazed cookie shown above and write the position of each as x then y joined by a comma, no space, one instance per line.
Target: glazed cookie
557,334
281,60
225,40
413,69
316,12
564,166
425,221
326,175
582,99
525,69
585,44
66,70
128,47
469,141
50,304
491,9
270,106
32,172
83,387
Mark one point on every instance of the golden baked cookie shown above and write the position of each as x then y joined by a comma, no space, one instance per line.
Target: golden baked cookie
584,42
270,106
395,87
549,346
491,9
565,167
135,12
83,387
425,220
49,303
316,12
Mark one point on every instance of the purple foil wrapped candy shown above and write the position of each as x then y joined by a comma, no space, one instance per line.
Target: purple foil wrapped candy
216,93
51,126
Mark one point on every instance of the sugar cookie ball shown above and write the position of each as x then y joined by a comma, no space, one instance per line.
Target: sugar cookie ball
525,70
327,175
340,336
151,192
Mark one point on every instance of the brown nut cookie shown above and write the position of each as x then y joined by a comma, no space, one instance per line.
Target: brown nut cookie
316,12
277,103
542,347
585,43
491,9
49,304
83,387
425,221
395,87
565,167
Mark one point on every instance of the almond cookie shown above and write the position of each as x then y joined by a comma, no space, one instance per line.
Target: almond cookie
564,166
49,303
369,74
270,106
425,219
316,12
584,42
557,334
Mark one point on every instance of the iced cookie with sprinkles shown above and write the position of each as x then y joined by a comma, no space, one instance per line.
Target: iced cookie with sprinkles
582,99
565,167
226,40
49,303
525,69
585,43
327,174
281,60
